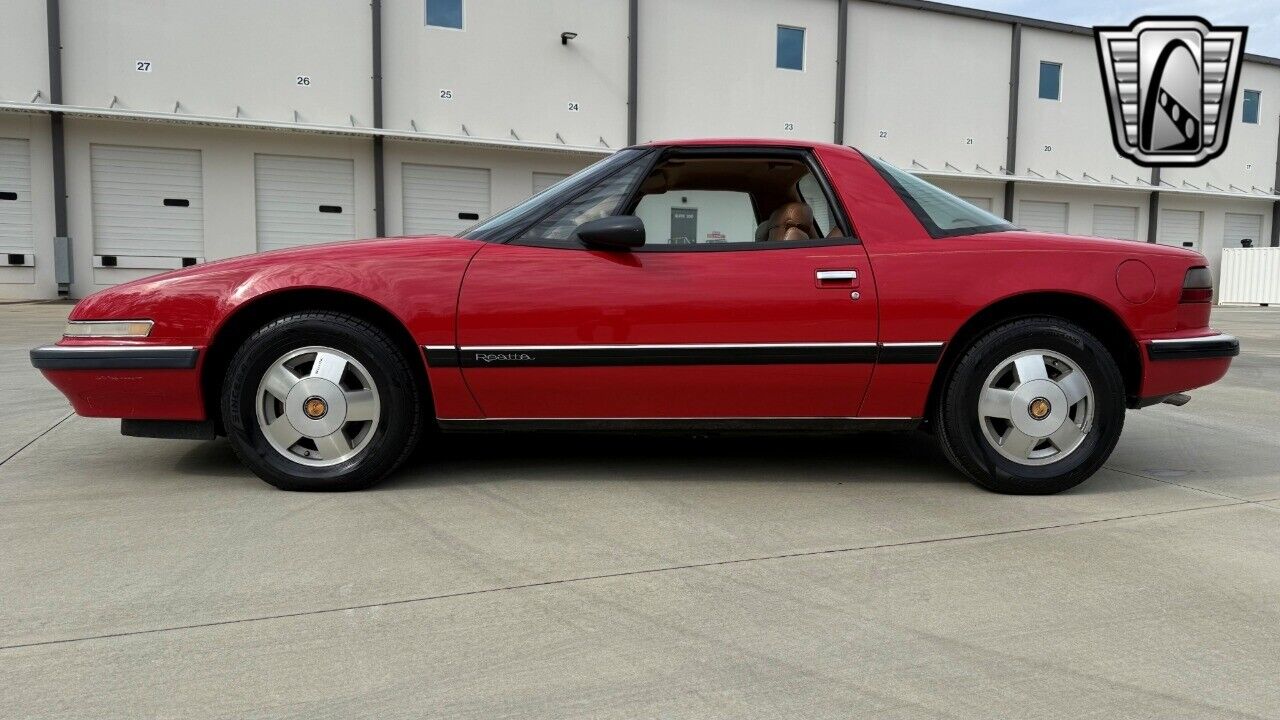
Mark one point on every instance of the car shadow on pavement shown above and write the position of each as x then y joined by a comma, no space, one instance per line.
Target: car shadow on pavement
874,456
457,459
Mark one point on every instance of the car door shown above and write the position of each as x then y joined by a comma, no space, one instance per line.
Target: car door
720,326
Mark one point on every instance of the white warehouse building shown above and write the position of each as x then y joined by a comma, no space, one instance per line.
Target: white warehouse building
138,136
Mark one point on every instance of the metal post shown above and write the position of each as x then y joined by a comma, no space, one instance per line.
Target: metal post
842,48
62,261
379,189
633,55
1011,137
1275,188
1275,223
1153,208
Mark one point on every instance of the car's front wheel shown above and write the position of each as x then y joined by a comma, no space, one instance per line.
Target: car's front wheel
1032,407
321,401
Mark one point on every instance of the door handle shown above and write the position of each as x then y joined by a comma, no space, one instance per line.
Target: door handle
836,278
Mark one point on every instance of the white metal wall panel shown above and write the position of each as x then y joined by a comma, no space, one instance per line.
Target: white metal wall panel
979,202
16,234
303,200
147,202
1240,226
542,181
1250,275
1180,228
1043,216
1115,221
441,200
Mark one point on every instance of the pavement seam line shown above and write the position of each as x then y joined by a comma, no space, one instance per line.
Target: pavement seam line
627,573
32,441
1130,473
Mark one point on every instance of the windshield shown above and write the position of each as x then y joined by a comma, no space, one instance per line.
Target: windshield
529,210
941,213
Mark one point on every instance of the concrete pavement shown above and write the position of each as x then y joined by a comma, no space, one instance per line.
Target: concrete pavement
509,576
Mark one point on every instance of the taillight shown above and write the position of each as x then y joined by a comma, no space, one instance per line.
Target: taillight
1197,286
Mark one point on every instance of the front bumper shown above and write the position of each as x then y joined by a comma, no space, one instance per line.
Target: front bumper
114,357
140,382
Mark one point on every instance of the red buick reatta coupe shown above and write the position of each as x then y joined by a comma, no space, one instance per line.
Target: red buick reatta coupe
709,285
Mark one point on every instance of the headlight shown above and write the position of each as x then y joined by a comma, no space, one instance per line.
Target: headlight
108,328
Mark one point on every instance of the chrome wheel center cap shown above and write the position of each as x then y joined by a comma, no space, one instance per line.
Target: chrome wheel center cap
316,407
1039,408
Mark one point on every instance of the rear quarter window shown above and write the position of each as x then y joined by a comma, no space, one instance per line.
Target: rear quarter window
941,213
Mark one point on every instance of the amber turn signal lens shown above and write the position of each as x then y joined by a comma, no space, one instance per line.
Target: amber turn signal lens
108,328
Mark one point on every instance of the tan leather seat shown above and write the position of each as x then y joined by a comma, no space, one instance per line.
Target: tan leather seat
791,221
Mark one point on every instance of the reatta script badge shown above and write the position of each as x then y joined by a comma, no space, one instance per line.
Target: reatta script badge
504,357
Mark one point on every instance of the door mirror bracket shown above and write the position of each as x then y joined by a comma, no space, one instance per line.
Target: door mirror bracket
616,232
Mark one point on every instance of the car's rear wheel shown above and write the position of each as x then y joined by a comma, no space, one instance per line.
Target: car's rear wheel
321,401
1032,407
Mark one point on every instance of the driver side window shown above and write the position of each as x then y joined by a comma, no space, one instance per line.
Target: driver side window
733,200
705,201
600,201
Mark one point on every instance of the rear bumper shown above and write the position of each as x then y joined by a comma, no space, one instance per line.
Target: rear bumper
144,382
1175,365
1211,346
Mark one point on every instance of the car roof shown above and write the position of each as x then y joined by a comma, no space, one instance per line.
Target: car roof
744,142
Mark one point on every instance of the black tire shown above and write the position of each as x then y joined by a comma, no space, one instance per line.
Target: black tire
956,415
399,418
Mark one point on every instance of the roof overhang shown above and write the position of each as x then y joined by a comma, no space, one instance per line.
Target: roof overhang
1087,185
240,123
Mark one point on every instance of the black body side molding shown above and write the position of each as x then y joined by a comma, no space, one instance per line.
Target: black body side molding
124,357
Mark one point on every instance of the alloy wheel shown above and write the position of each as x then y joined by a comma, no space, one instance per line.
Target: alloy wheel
1036,407
317,406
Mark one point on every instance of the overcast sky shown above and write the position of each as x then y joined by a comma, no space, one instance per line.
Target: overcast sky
1262,16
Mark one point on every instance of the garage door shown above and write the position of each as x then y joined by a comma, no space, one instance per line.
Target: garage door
980,202
303,200
1180,228
16,236
1043,216
542,181
1241,226
1115,221
441,200
147,203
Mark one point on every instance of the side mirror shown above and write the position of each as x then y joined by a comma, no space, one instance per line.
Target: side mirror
617,232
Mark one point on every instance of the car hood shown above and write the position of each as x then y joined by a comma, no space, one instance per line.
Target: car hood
319,253
210,287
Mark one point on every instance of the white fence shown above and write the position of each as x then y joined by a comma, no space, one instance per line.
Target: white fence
1250,276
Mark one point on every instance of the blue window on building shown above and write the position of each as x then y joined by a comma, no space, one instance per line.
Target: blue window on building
1050,81
444,13
790,48
1252,104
